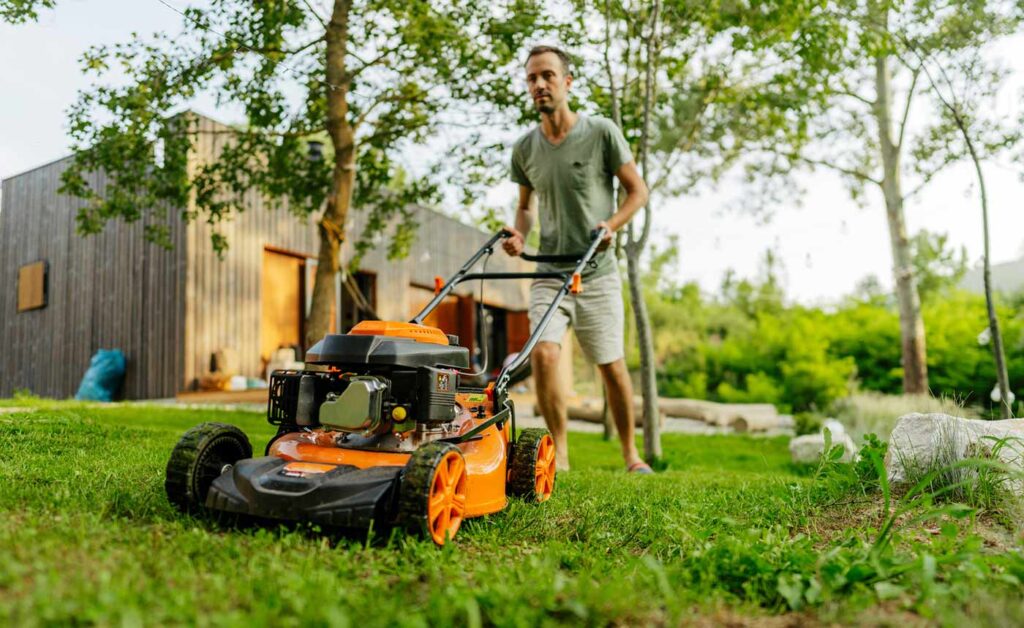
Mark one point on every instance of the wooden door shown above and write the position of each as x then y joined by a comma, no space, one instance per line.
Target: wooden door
518,326
281,317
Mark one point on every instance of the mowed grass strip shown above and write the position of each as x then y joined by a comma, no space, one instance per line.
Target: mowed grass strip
87,536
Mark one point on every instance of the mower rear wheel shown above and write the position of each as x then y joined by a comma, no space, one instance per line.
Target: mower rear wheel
532,469
201,455
432,498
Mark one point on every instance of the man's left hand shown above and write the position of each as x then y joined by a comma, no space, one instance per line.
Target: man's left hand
606,241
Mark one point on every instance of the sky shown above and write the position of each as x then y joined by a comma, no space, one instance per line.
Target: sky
826,246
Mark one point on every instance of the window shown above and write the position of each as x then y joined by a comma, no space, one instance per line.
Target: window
32,288
358,299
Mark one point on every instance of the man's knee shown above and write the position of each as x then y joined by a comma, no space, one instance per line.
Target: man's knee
616,373
546,354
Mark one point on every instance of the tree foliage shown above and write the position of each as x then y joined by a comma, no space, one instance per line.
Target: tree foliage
406,63
937,264
19,11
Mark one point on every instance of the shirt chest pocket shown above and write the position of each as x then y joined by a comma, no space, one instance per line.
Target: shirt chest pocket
581,174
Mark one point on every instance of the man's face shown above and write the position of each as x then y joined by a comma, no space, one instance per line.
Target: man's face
547,82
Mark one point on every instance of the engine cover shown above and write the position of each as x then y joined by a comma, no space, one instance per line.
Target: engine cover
360,353
359,408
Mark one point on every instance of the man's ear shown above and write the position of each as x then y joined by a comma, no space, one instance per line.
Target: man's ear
568,81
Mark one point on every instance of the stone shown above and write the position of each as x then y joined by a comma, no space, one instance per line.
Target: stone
807,449
923,440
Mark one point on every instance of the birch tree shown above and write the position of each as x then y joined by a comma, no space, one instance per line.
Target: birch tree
874,129
965,85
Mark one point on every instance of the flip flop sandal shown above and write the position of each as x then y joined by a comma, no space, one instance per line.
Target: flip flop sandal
640,468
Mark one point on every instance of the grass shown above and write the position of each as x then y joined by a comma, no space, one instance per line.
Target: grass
87,537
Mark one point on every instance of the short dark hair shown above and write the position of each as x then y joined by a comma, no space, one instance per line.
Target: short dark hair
561,54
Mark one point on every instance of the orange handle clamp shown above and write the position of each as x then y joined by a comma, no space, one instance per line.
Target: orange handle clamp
438,284
577,284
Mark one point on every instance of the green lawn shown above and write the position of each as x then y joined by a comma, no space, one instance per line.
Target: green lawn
730,532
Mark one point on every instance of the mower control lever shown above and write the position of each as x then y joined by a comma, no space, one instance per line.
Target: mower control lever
570,279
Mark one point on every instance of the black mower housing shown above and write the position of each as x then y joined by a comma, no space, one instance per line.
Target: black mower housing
344,497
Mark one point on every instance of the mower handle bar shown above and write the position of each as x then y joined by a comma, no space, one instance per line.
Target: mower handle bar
463,274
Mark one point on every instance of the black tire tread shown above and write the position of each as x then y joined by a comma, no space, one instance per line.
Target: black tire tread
414,492
179,481
522,479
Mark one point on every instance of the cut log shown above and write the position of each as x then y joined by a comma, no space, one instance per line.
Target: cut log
592,410
742,417
750,417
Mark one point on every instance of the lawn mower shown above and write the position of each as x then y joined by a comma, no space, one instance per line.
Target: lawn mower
377,430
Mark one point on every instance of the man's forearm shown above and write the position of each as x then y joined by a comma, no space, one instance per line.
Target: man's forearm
524,221
630,206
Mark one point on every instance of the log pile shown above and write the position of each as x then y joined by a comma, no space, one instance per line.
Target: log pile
741,417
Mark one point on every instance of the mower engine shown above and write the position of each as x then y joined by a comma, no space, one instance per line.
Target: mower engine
370,384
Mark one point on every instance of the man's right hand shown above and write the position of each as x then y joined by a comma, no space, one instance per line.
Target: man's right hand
513,244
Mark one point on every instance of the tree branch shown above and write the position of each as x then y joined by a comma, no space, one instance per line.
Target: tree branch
365,65
856,96
651,58
927,178
616,113
856,174
318,17
906,107
388,96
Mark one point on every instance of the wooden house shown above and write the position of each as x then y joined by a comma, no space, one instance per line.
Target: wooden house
65,296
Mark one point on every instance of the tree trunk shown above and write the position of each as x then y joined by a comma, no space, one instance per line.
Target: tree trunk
912,335
635,245
607,421
648,383
339,199
644,337
1003,379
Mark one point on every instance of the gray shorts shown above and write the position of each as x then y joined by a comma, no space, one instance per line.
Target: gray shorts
597,315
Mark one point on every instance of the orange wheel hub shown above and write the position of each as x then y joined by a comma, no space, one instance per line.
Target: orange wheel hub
545,468
447,505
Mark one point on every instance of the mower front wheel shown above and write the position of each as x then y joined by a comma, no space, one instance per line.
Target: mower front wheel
532,470
201,455
432,497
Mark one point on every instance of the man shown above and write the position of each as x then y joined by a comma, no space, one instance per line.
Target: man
568,162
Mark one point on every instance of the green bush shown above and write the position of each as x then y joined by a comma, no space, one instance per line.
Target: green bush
745,344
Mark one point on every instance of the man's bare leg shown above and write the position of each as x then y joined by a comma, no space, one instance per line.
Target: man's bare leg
620,400
551,398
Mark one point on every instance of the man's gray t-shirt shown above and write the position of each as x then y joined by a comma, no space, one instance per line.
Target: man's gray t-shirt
573,183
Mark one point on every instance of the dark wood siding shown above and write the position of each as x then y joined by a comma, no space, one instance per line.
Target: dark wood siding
170,310
224,295
112,290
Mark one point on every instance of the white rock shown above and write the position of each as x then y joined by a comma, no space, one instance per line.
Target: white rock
807,449
838,429
922,440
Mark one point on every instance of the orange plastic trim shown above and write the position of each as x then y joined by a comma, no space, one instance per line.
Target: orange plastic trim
577,284
446,507
399,329
310,468
438,284
318,447
544,472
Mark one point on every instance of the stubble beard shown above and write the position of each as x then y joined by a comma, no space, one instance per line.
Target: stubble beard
548,106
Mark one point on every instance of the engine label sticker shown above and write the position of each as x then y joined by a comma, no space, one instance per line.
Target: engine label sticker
444,382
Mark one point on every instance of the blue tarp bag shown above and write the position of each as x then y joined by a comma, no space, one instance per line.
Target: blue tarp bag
101,381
